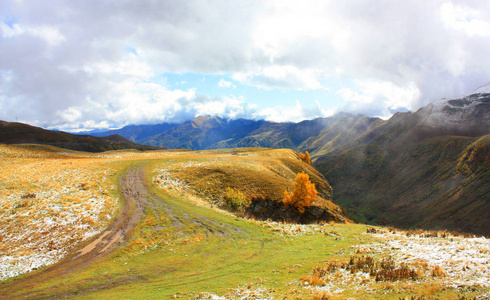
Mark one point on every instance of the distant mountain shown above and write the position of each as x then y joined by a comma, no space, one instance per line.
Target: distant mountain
426,169
318,136
136,133
19,133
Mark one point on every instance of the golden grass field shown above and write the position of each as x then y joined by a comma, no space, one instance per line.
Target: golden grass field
53,202
49,203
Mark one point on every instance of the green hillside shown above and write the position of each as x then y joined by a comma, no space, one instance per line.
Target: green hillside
438,183
161,231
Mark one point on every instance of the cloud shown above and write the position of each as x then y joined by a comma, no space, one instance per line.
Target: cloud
226,84
96,63
465,19
282,77
379,98
296,113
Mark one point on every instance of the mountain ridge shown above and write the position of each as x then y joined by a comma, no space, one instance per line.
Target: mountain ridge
20,133
411,171
206,132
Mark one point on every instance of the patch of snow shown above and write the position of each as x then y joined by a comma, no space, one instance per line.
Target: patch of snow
165,180
466,260
484,89
452,113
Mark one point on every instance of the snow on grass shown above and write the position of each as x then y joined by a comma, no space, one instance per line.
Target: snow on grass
465,261
291,229
165,180
48,205
242,293
447,262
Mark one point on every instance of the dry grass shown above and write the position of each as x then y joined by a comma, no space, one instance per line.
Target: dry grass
52,199
49,202
368,267
262,174
422,233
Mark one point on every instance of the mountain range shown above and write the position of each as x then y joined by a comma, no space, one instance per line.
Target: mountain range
429,168
319,136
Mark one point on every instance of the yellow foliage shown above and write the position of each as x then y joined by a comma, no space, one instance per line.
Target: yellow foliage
303,195
305,157
150,221
235,199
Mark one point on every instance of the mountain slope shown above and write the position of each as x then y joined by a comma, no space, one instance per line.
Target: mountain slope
18,133
425,169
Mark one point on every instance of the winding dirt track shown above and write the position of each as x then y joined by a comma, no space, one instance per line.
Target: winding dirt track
135,198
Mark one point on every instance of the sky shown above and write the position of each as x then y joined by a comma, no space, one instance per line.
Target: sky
90,64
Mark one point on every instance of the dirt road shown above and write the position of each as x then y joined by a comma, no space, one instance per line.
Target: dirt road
135,198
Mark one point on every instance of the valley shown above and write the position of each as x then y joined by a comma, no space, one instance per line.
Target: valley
160,228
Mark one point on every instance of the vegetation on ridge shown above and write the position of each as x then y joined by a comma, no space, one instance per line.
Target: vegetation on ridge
303,194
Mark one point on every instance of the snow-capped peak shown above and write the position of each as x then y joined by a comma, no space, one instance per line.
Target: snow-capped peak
468,115
484,89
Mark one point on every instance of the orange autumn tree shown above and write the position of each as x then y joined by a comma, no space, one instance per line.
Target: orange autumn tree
305,157
303,195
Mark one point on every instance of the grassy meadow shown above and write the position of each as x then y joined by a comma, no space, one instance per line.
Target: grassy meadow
187,245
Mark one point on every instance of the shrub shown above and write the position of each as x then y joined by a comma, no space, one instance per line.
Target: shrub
235,199
380,270
438,271
28,196
303,195
372,230
305,157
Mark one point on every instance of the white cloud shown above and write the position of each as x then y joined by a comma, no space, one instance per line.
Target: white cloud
226,84
381,98
465,19
90,62
228,107
277,76
296,113
50,34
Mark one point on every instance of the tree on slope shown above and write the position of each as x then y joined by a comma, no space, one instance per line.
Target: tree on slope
303,195
305,157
